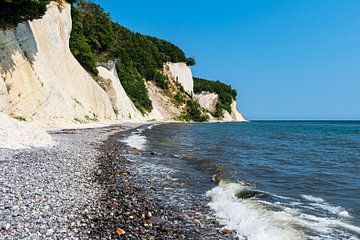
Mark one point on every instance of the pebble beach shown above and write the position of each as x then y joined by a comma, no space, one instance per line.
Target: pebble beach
85,188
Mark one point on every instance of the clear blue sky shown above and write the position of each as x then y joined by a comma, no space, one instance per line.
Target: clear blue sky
288,59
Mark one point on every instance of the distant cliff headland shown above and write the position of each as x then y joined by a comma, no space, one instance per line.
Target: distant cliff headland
68,62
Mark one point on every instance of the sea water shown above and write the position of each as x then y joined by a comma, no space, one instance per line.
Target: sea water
303,177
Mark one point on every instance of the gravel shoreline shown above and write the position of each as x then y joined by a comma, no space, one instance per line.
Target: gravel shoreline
133,206
84,189
44,192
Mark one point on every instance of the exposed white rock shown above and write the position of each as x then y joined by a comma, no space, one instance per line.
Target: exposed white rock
20,135
124,108
182,74
46,83
207,100
163,108
235,114
227,116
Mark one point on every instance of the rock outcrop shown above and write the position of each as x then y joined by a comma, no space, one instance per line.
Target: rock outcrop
163,107
124,108
182,74
235,114
45,83
209,100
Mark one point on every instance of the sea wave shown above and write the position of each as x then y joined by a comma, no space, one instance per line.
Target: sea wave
320,203
248,218
258,219
153,125
136,140
312,198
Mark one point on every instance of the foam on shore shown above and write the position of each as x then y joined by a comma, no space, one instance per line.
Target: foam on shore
257,219
136,140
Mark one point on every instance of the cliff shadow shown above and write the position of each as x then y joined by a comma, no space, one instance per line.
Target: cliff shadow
16,43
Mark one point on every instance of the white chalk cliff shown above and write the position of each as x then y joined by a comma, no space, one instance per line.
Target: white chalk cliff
123,107
163,107
182,74
41,81
235,114
209,100
44,82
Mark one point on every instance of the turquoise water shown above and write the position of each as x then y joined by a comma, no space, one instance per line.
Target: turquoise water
306,174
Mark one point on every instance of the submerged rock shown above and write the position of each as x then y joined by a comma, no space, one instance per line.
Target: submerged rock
248,193
216,178
134,151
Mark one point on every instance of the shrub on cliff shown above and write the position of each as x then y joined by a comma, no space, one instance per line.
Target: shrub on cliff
190,61
92,34
13,12
193,112
225,92
135,87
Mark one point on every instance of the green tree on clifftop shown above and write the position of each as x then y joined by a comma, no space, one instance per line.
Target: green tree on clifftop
13,12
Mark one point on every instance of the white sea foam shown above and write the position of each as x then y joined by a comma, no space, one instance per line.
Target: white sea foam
321,204
337,210
312,198
254,220
152,125
249,218
135,140
320,224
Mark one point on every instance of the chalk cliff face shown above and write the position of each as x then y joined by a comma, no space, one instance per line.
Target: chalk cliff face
163,107
182,74
41,81
44,82
209,100
123,107
235,114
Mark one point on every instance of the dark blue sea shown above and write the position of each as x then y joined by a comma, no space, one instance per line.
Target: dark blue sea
301,179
